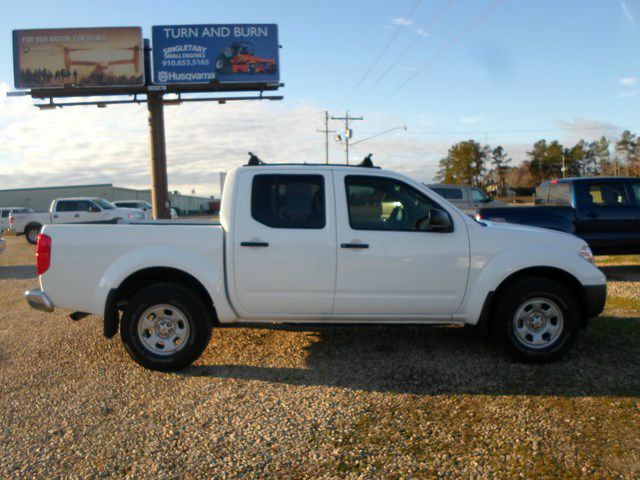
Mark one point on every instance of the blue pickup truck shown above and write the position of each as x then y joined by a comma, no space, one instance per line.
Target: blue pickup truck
604,211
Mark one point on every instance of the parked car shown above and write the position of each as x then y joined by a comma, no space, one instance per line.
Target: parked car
146,207
320,244
6,211
466,198
70,210
603,211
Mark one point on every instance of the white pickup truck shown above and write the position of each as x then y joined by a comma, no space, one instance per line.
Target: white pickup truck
320,244
70,210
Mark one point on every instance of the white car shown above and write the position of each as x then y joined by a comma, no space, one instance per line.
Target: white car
320,244
146,207
70,210
6,211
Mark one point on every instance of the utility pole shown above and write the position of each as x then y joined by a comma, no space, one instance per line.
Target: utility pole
159,182
326,132
347,131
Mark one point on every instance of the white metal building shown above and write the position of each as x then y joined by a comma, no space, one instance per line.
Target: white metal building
39,199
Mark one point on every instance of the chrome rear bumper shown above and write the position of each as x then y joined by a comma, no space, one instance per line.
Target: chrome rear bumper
37,299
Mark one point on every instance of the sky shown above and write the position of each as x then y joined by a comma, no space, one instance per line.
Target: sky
504,72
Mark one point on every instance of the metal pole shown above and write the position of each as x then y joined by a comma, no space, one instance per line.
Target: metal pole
159,184
326,136
346,136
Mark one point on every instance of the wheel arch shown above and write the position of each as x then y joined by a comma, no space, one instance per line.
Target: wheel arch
118,297
552,273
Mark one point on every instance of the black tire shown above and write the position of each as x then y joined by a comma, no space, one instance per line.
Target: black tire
188,304
523,293
31,233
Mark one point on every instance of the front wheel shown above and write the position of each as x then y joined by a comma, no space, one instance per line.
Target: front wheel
165,327
537,319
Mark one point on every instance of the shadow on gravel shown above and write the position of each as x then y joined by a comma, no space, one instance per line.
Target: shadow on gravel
18,272
622,273
452,360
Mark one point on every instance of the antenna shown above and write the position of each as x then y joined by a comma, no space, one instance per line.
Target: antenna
367,162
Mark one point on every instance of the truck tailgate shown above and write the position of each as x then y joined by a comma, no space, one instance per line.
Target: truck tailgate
87,261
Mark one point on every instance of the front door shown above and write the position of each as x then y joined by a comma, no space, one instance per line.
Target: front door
283,243
388,263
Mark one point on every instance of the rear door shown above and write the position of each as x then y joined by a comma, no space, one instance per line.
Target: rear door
66,211
607,217
284,243
387,265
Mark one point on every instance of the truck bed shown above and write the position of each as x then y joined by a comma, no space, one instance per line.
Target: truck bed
84,256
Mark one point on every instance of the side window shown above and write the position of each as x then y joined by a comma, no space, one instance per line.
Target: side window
606,195
66,206
377,203
5,213
83,205
288,201
560,194
453,194
440,191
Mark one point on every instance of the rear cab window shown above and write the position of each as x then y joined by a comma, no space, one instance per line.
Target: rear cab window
560,194
635,189
541,194
288,201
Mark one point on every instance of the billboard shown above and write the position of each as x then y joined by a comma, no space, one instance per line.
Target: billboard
243,53
110,56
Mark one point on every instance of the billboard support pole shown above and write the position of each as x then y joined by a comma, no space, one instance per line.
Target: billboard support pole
159,183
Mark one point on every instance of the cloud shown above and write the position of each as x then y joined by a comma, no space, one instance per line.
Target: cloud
422,32
472,120
627,93
628,14
628,81
84,145
403,21
583,128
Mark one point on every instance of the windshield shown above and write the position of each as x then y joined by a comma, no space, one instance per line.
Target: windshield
102,203
146,204
478,196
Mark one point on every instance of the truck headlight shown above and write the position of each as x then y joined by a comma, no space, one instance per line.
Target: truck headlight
585,252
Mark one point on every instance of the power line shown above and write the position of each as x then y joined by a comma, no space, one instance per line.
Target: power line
384,50
455,40
541,130
426,28
477,21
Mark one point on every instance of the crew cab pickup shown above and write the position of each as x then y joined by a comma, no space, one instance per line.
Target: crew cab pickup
605,212
70,210
320,244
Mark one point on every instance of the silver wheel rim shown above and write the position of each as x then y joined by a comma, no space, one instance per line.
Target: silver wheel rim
538,323
163,329
33,234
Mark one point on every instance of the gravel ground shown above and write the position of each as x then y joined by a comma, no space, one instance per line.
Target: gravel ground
314,403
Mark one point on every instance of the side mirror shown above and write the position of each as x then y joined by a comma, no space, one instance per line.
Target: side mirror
437,221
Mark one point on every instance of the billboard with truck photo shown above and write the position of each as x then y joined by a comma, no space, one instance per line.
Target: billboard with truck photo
226,53
109,56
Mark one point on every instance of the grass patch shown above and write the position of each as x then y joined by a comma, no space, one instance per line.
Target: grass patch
624,303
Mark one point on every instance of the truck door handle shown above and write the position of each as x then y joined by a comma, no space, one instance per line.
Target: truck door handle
354,245
254,244
55,216
76,215
592,215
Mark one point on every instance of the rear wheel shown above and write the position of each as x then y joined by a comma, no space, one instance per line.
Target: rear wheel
165,327
32,232
537,319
